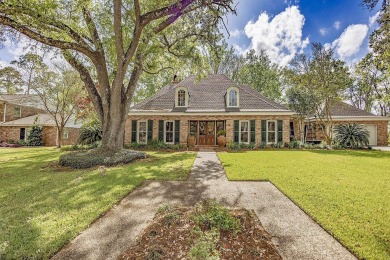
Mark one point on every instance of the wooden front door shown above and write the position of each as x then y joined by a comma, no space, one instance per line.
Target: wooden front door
206,133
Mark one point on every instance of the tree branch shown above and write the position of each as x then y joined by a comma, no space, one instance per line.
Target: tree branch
88,82
118,32
64,45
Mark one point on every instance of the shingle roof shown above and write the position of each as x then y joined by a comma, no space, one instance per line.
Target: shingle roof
41,119
23,100
345,110
208,94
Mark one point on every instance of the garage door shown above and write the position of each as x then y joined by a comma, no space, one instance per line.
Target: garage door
373,134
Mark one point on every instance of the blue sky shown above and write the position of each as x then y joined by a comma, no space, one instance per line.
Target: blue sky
322,21
285,27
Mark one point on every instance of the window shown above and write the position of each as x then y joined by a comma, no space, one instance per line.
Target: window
65,134
232,99
271,131
142,136
181,99
169,132
18,111
244,132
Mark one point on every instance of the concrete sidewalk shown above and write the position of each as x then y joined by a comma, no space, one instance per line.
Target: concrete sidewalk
296,234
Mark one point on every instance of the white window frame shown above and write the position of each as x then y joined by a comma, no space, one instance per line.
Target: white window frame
249,131
138,132
173,131
186,96
65,134
276,132
228,97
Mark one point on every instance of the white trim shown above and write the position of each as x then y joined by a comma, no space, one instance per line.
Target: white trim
138,123
228,96
5,111
249,132
177,97
276,132
173,131
354,118
212,113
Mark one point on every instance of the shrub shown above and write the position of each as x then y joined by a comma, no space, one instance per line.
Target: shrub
34,136
263,145
352,135
294,144
205,246
155,145
91,158
278,145
233,146
212,215
78,147
90,134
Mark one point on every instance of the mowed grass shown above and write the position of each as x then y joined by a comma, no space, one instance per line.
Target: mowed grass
347,192
43,206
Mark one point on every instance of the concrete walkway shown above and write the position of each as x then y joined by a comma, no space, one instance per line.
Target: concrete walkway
381,148
295,233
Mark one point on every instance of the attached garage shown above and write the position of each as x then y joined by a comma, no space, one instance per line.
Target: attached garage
373,138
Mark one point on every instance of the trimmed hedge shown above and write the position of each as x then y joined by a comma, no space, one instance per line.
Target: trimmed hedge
91,158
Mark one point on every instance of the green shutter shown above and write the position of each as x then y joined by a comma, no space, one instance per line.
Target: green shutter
134,131
236,131
264,131
177,131
280,131
253,131
161,130
150,130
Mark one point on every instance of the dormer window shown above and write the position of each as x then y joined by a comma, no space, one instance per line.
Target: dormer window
181,99
232,98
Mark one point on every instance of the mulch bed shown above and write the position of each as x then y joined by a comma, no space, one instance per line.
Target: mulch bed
165,240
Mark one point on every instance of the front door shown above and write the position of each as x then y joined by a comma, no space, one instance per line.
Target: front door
206,133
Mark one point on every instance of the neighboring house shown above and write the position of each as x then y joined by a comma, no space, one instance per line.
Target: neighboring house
19,112
343,113
205,107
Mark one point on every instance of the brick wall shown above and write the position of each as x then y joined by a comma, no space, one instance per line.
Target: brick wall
8,133
184,125
10,112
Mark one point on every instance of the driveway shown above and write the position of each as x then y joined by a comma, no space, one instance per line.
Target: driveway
295,233
382,148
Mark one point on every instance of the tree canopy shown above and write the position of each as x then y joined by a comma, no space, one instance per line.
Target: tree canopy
111,43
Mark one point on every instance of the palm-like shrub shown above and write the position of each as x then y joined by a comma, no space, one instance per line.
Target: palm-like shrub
351,135
90,133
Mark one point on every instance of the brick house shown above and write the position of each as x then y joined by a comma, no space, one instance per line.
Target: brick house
19,112
202,108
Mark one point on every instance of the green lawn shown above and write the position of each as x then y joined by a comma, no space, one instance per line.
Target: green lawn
42,206
347,192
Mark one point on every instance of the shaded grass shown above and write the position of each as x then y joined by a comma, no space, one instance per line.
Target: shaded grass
43,206
347,192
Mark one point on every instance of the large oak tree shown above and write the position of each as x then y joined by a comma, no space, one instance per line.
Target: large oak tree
112,42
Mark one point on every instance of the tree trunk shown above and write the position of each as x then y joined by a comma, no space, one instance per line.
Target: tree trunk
114,129
59,136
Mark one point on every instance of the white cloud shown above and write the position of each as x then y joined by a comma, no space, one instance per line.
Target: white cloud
323,31
350,41
372,19
336,25
280,37
235,33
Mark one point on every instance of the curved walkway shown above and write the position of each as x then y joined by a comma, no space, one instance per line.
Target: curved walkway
295,233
